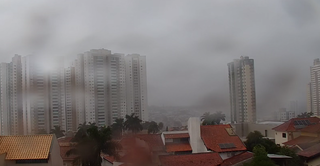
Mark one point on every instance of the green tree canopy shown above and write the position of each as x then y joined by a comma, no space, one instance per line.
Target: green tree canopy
305,115
117,128
212,119
133,123
153,128
57,131
295,161
256,138
90,142
260,157
160,125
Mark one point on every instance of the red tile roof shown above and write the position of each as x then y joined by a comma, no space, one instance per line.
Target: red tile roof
237,159
310,152
213,135
301,140
110,159
312,128
289,125
196,159
178,147
176,135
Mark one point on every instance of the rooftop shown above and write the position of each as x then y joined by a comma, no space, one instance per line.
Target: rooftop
297,124
301,140
237,159
26,146
196,159
176,135
216,136
178,147
310,152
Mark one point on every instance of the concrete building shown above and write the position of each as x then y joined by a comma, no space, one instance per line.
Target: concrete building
70,100
4,100
282,115
242,90
136,86
315,90
309,97
79,90
35,91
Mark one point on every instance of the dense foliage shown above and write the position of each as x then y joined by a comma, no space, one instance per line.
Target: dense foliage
133,123
260,157
256,138
89,142
212,119
57,131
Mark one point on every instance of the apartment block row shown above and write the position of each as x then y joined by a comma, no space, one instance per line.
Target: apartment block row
38,93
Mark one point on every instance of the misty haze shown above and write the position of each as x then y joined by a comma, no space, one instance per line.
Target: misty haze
162,61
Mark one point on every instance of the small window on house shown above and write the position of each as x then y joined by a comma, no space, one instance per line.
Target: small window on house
284,135
266,133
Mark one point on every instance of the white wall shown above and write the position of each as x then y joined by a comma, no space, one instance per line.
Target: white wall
196,142
279,139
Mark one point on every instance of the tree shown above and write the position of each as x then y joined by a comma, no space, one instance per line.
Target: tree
57,131
117,128
256,138
153,127
295,161
160,125
305,115
212,119
260,157
133,123
90,141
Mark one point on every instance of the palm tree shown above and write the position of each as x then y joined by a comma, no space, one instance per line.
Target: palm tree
91,141
117,128
57,131
153,128
212,119
133,123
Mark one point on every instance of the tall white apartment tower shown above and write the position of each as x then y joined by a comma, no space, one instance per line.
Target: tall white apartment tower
16,114
136,86
242,90
4,99
70,99
315,87
35,90
309,97
79,90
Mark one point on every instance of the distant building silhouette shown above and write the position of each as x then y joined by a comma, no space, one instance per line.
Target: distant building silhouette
242,90
315,89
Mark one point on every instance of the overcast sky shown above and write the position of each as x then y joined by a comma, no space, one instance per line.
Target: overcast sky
187,43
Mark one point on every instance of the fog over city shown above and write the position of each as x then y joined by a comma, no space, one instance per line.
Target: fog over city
187,43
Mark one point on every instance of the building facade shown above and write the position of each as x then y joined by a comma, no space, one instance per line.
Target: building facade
39,93
315,89
242,90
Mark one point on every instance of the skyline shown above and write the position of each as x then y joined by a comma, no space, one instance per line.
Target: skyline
187,44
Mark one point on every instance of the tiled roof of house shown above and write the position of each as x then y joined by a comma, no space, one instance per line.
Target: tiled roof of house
196,159
312,128
310,152
178,147
301,140
110,159
237,159
213,135
289,125
176,135
26,146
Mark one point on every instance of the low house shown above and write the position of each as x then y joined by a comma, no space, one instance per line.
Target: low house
292,129
195,159
30,150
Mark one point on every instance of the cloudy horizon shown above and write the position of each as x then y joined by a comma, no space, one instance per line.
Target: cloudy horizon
187,43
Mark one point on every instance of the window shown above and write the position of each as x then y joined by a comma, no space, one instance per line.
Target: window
266,133
284,135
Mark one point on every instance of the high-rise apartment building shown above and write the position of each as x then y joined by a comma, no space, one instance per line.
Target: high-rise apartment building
242,90
309,97
35,90
315,89
4,99
136,83
39,93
